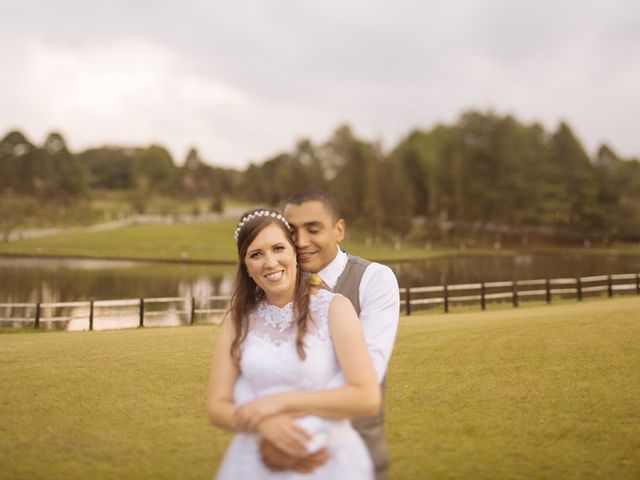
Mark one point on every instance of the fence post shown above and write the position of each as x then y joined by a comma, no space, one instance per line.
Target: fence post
446,299
609,286
407,299
578,289
548,287
37,323
142,312
483,304
91,315
193,310
514,293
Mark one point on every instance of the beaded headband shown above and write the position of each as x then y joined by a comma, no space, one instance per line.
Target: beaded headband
258,213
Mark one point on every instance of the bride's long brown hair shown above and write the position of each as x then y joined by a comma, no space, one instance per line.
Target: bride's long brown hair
247,294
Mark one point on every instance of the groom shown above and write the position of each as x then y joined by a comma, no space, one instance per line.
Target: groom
317,230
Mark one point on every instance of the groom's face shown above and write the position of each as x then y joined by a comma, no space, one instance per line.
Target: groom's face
316,233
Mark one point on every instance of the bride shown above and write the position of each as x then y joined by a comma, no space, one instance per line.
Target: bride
289,339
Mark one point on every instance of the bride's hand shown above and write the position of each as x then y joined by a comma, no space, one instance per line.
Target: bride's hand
249,415
285,434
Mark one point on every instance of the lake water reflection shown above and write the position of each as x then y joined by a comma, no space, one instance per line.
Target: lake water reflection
470,269
65,280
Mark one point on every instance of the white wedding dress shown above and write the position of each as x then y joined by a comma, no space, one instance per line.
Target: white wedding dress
270,364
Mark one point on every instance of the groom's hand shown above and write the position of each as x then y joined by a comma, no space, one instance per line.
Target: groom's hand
309,463
283,445
274,458
285,434
277,460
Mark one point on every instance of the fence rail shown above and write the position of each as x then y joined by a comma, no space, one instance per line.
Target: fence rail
415,298
145,311
189,310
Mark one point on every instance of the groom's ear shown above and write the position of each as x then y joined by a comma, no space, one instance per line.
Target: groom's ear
340,227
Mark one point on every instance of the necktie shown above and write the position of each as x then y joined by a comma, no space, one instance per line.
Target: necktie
314,280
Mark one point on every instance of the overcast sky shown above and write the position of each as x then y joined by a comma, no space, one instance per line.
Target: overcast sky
243,80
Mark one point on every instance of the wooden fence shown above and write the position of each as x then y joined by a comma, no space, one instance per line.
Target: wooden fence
183,310
416,298
189,310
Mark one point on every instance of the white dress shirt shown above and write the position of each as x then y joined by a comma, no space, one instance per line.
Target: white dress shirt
379,307
379,315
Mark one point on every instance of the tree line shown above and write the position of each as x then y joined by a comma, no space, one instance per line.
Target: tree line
485,178
51,172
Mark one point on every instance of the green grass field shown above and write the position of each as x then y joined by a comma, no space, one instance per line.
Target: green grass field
550,392
213,242
202,241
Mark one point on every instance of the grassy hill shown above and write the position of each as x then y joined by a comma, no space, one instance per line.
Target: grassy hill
538,393
212,241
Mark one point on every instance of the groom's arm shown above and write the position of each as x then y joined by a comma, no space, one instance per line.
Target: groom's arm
379,314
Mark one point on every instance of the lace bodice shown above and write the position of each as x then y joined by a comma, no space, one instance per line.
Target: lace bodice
270,361
270,364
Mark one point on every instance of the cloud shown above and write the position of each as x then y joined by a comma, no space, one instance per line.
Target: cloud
243,80
126,91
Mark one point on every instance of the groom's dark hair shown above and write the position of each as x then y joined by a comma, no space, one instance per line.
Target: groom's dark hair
312,194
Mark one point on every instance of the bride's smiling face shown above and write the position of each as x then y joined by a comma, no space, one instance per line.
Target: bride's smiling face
271,262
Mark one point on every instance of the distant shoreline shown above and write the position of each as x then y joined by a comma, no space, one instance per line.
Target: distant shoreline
185,261
231,262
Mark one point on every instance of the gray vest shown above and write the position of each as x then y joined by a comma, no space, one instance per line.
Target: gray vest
370,428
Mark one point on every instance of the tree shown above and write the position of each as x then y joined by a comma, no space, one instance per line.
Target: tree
618,196
154,169
373,213
345,159
572,174
17,169
252,184
397,207
196,177
411,162
68,177
109,167
153,172
305,168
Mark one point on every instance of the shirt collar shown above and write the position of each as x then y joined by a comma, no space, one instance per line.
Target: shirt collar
331,273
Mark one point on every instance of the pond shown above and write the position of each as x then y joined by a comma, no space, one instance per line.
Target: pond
67,280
